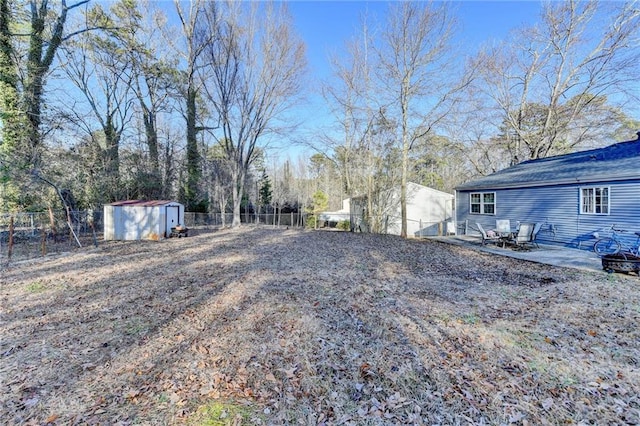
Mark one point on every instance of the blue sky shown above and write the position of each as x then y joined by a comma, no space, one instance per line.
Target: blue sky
326,26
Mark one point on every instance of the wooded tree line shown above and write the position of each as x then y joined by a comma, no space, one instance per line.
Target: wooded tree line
129,99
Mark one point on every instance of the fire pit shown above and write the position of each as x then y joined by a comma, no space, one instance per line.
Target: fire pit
621,262
179,231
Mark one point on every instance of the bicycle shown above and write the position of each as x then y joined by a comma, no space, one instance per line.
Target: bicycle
608,246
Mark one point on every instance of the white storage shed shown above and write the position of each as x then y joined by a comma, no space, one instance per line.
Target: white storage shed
141,220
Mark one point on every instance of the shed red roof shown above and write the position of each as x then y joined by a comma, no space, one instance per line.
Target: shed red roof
141,203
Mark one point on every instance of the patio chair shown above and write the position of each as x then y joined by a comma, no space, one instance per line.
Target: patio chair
503,226
536,229
488,237
524,235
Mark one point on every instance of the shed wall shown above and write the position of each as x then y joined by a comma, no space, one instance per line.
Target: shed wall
139,222
109,223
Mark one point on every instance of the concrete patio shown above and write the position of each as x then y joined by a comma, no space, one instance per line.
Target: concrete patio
547,254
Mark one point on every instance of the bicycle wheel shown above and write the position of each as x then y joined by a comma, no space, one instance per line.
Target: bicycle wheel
606,246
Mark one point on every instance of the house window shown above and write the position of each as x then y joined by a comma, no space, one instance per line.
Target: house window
594,200
483,203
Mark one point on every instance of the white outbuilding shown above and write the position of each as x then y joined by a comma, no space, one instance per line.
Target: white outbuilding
429,211
141,220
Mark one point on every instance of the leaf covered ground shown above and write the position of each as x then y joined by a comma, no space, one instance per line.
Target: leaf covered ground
283,327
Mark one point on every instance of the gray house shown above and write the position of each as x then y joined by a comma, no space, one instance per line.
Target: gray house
572,195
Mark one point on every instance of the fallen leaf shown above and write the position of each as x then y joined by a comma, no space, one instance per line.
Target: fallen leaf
516,417
365,370
270,377
30,402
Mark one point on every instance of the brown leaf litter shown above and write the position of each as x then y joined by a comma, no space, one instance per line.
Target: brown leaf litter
270,326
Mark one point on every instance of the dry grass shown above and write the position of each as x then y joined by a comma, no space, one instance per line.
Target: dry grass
262,326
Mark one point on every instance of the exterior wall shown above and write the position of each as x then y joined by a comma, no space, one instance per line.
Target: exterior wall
337,216
109,223
428,210
558,208
138,222
141,223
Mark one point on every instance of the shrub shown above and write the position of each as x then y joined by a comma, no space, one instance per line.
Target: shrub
345,225
311,221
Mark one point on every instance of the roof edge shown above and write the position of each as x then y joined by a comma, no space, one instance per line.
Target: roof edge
518,185
141,203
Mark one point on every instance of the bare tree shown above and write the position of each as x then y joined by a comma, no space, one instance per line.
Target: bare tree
152,73
415,78
350,98
218,180
92,63
29,39
554,86
189,46
30,34
365,154
253,73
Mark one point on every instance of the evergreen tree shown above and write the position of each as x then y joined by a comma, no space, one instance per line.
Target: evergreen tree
266,193
320,203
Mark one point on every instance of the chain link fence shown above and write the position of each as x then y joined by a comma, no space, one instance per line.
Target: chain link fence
32,234
199,220
29,235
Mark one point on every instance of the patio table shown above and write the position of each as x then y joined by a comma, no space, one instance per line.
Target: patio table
506,237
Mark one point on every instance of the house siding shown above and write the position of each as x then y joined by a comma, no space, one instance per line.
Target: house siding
558,208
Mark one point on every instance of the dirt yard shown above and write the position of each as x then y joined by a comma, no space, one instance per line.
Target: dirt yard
284,327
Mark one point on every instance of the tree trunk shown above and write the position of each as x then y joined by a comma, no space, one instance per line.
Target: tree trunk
151,135
403,194
39,60
11,116
237,179
404,103
193,159
112,160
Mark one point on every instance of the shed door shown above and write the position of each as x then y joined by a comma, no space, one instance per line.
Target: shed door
173,218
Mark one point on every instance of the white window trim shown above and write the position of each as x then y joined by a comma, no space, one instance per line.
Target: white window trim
482,204
593,213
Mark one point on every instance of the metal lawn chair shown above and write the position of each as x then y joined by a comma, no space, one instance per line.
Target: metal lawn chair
503,226
487,237
524,235
536,229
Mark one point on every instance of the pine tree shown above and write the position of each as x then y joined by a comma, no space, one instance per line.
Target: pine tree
266,193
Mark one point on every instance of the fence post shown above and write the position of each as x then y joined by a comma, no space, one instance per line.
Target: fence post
52,223
10,250
43,242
